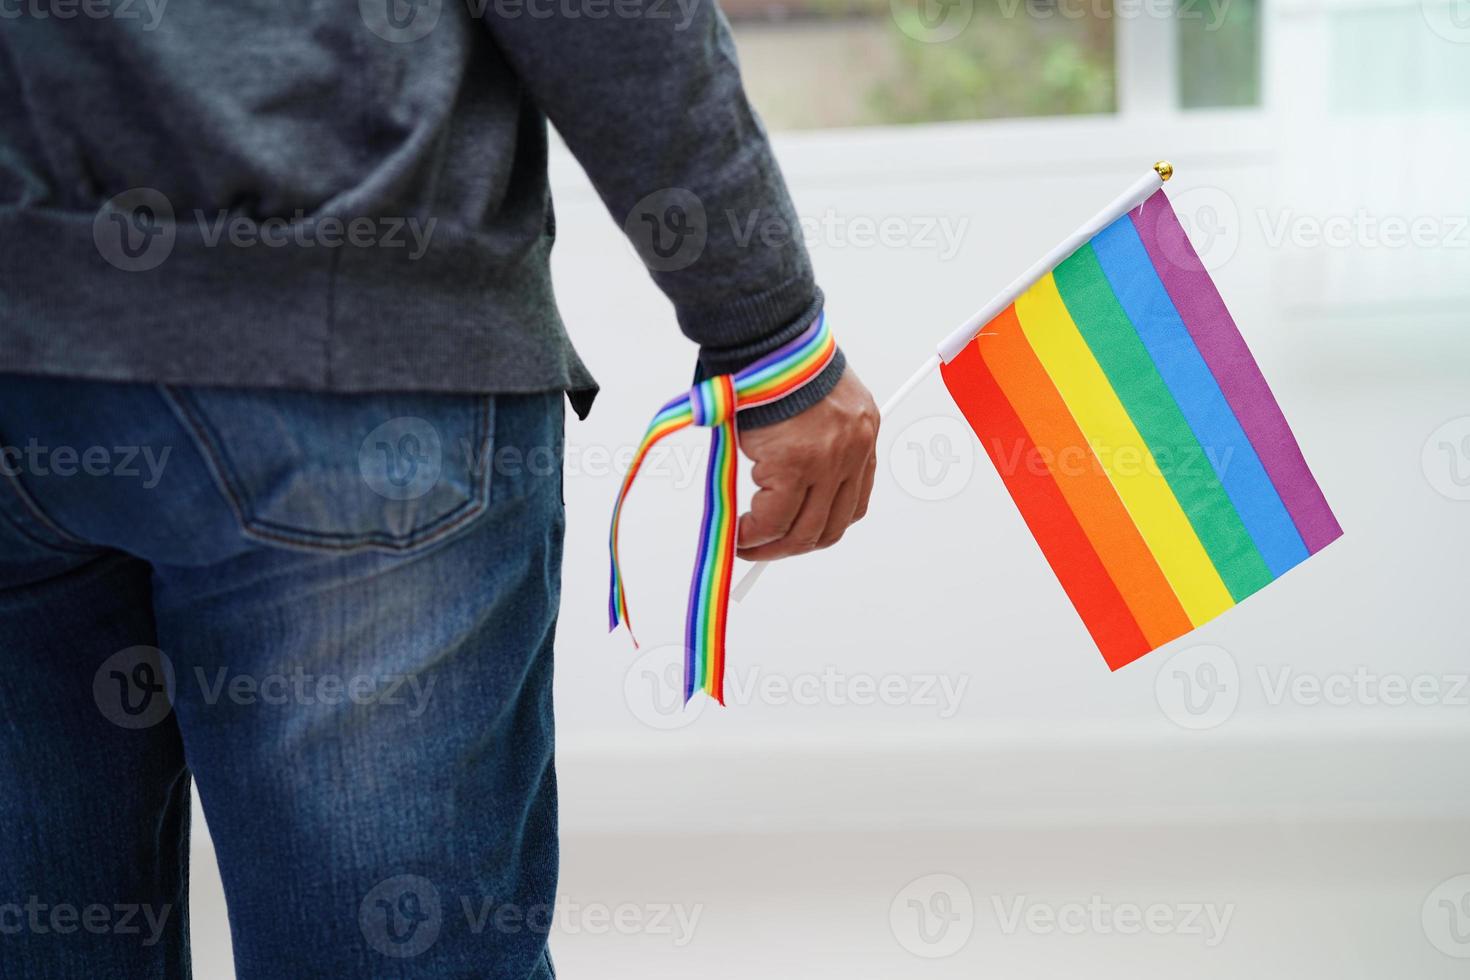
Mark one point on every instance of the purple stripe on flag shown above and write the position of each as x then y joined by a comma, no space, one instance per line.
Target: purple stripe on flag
1235,370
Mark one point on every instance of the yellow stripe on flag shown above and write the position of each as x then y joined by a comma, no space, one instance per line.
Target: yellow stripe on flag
1124,455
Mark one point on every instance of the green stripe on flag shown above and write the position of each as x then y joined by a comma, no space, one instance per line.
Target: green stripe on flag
1190,474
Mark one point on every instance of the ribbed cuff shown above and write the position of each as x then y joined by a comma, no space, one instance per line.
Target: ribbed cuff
728,360
798,401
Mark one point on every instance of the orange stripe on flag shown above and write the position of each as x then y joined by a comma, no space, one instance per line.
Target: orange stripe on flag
1081,479
1045,510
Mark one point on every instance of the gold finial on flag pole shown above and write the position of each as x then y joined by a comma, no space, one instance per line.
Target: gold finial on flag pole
1164,169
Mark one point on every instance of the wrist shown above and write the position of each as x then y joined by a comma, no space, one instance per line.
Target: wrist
798,401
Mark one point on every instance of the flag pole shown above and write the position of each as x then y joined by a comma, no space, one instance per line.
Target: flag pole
959,338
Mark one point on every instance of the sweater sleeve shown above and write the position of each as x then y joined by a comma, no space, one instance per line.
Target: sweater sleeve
648,96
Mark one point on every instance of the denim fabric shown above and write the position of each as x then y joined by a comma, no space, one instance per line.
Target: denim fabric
335,615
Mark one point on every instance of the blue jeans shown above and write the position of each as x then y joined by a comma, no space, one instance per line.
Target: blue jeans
334,614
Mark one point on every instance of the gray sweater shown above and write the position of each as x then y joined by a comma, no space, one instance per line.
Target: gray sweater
351,195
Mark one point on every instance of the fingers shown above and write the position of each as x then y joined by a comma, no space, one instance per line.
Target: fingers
806,531
865,487
840,517
772,512
815,471
851,503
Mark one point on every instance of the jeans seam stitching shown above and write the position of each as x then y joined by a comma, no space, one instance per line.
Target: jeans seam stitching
66,541
54,544
207,449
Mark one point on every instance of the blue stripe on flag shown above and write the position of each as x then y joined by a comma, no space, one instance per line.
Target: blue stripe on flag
1131,273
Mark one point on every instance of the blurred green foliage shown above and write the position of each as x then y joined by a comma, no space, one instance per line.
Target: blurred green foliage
1219,54
1014,58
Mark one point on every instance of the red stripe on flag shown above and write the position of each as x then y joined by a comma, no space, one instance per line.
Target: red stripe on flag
1084,485
1044,509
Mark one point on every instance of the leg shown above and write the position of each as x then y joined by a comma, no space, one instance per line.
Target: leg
93,790
371,731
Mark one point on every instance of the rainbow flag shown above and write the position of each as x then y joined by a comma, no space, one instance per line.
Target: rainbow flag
1143,447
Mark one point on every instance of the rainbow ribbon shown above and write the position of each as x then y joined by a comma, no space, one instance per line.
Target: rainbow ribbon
712,404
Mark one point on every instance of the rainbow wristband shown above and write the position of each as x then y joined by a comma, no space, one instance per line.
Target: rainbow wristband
712,404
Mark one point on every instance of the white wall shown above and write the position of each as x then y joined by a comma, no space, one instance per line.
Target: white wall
1366,347
955,588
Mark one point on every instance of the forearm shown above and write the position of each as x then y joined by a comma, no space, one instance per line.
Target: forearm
654,109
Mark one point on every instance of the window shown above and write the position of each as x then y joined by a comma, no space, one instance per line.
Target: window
820,63
1219,53
810,64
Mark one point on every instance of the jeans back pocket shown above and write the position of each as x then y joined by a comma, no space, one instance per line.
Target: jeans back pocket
338,472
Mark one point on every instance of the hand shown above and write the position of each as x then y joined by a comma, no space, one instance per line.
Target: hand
815,473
